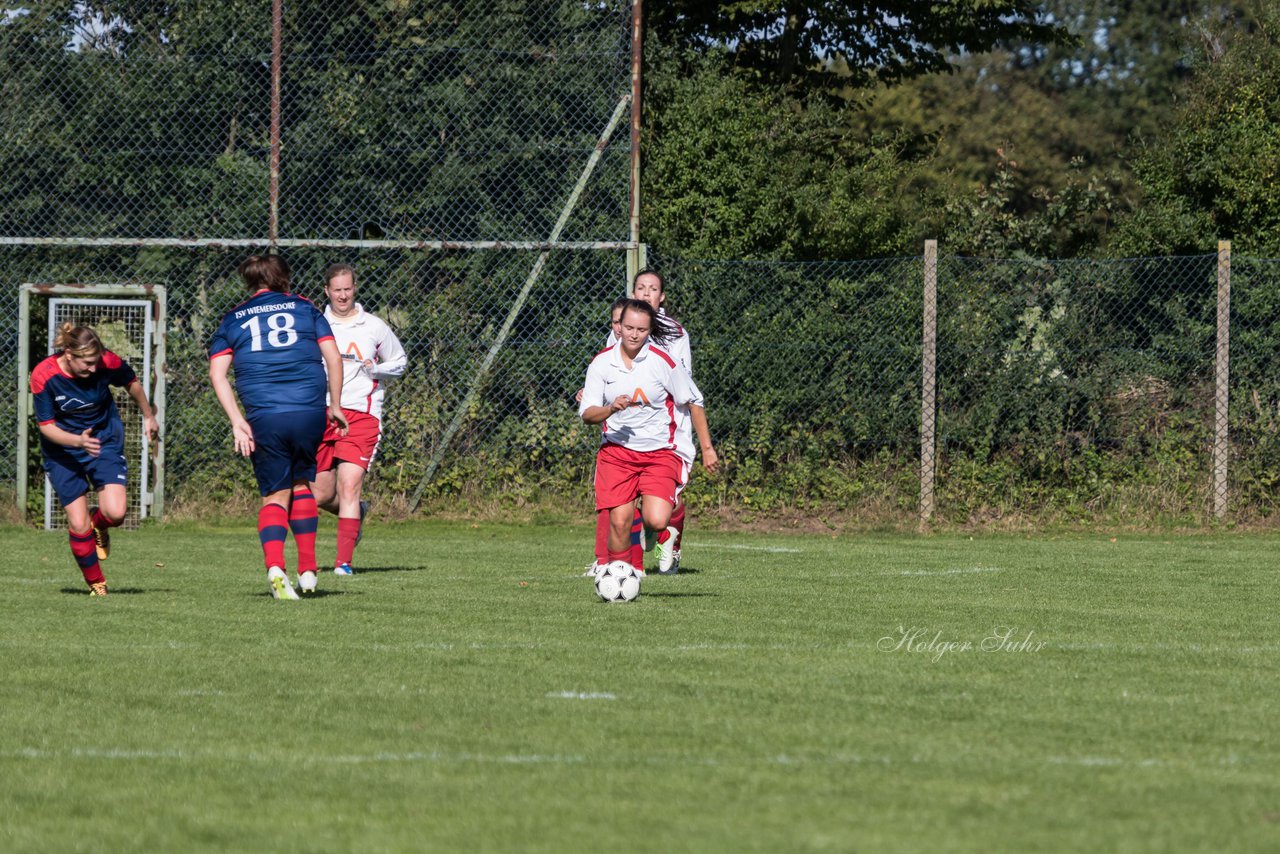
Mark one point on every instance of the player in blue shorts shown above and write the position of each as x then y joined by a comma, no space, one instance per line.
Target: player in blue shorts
82,439
281,345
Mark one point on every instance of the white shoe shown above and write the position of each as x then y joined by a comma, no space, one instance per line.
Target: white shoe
280,586
307,582
593,569
668,557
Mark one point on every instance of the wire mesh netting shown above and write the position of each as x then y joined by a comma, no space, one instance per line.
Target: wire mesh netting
1087,385
465,121
145,143
122,326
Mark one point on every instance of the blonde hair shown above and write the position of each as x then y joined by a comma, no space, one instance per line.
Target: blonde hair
78,340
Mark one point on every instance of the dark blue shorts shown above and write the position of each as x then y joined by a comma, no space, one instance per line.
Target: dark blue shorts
71,470
285,446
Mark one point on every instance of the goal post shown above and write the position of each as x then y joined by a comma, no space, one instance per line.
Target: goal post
131,321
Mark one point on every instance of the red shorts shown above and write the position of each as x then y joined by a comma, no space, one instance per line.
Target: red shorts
622,475
359,446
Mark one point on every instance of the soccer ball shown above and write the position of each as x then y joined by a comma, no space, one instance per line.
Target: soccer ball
617,582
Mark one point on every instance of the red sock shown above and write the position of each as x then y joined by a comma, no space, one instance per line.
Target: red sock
348,530
100,521
86,556
602,536
637,542
677,522
304,518
624,555
273,527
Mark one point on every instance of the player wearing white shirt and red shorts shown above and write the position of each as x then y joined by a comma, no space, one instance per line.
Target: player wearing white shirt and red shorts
635,390
649,287
371,354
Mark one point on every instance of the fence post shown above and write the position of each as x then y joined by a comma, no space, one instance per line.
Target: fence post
1222,363
928,383
273,169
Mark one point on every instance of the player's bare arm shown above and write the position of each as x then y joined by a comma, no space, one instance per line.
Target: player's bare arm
598,414
241,432
150,426
67,439
333,367
698,415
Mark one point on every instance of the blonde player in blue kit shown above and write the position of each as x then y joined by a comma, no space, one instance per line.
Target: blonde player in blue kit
82,440
285,360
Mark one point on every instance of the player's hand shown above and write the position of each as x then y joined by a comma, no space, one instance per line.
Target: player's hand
90,444
368,365
620,403
336,416
242,434
151,427
577,398
710,459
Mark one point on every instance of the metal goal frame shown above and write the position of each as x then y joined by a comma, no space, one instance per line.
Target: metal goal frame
151,500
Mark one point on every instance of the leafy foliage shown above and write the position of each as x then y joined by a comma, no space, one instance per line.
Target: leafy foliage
735,172
819,45
1214,173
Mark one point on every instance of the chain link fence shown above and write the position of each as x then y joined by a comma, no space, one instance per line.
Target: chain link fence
158,145
403,122
1081,389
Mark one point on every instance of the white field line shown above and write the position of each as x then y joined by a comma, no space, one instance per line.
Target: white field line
441,757
741,548
957,571
579,695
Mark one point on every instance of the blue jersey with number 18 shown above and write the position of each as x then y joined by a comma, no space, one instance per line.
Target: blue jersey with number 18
274,341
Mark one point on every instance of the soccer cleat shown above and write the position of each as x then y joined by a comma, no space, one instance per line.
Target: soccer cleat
98,588
364,511
594,569
102,542
343,569
307,582
668,557
280,586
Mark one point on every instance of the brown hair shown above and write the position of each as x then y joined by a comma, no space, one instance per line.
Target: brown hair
78,340
661,331
334,270
649,271
265,271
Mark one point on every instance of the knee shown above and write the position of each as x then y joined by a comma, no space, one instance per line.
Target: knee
656,520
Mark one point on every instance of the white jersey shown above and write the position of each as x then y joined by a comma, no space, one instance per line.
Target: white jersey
359,337
655,381
678,348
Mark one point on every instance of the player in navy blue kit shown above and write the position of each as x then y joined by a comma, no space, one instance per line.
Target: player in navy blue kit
82,439
281,345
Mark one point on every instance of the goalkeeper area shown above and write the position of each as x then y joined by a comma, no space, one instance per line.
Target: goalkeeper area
467,691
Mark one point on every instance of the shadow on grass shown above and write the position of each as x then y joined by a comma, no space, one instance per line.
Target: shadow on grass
117,591
319,593
675,595
362,570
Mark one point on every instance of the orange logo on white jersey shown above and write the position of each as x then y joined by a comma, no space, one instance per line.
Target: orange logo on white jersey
639,396
352,348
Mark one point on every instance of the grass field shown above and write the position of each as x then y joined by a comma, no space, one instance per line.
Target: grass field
465,692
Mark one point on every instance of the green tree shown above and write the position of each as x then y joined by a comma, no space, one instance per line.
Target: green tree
1215,172
825,44
732,171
